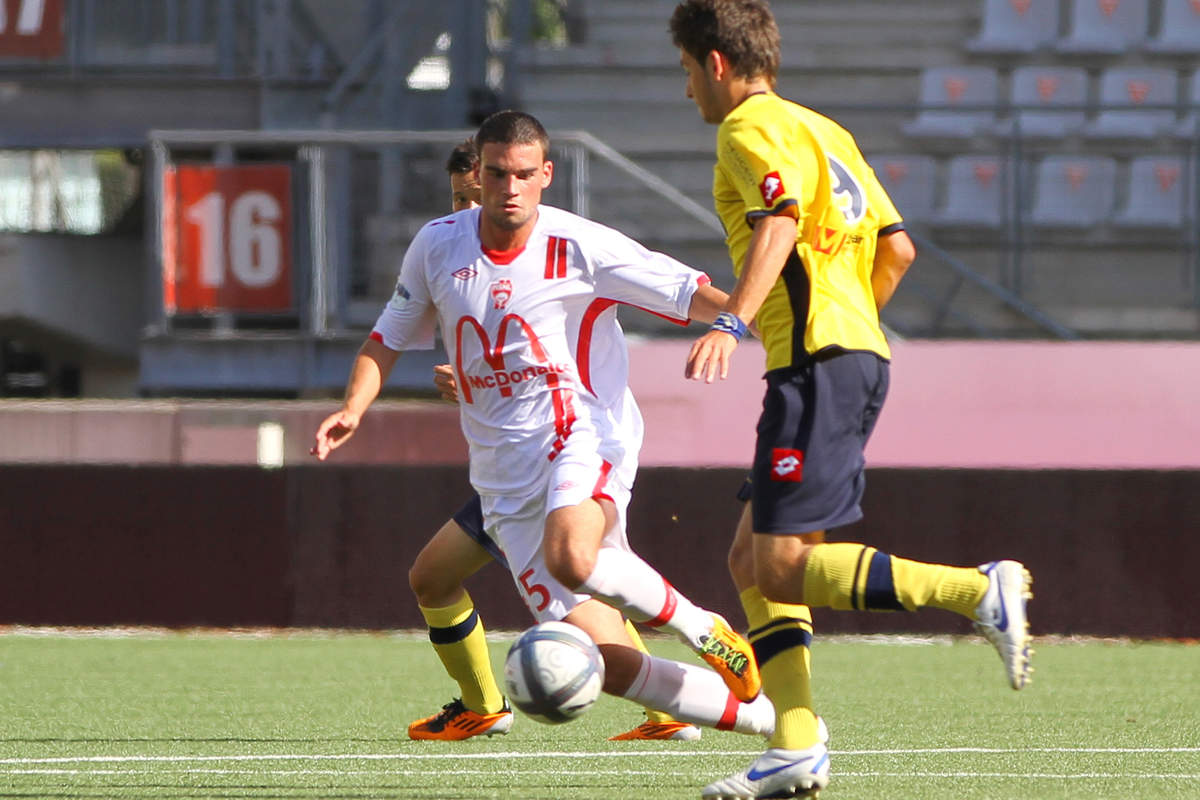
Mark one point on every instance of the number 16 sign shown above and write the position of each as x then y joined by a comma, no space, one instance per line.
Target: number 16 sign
227,238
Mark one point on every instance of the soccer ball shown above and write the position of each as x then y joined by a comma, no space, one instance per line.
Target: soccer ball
553,672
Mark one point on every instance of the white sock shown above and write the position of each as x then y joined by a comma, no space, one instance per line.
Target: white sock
626,582
699,696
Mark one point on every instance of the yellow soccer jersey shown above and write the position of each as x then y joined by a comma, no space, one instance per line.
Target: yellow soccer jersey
777,157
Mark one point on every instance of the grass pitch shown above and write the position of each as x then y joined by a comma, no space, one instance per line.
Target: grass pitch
314,715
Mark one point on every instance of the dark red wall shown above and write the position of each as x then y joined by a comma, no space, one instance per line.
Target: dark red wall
1113,553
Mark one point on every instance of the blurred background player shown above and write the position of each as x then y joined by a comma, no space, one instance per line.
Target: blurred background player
818,248
458,550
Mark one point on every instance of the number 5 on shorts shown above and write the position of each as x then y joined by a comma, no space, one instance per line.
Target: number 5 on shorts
534,589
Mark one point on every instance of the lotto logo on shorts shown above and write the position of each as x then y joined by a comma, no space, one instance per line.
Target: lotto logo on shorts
787,465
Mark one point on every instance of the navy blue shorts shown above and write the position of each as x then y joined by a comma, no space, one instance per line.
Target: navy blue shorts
808,461
470,519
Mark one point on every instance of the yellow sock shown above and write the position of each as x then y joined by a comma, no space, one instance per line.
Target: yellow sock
957,589
652,714
857,577
457,635
781,634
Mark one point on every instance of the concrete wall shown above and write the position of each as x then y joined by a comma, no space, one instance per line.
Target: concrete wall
1112,552
1011,405
1019,405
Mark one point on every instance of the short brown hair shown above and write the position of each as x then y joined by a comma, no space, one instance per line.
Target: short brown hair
744,31
512,127
464,158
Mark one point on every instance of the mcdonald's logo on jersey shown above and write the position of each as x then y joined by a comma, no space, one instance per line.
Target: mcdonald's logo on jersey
494,355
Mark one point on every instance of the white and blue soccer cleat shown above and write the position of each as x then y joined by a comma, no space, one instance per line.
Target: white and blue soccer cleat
1000,617
777,773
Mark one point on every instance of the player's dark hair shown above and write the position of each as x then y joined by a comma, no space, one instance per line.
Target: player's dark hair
744,31
464,158
512,127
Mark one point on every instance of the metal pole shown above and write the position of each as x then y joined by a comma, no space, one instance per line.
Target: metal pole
315,155
1015,206
1195,237
158,320
226,39
582,179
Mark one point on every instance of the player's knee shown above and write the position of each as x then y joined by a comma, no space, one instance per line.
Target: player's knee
430,586
741,563
570,564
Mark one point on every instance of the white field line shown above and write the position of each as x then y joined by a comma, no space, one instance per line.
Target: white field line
689,774
181,759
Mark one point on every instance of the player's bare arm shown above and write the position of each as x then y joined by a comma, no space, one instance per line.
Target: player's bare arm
772,244
707,302
371,368
893,255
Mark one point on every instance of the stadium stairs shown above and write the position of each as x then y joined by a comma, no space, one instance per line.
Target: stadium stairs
860,62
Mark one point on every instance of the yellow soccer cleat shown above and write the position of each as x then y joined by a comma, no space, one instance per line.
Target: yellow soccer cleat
456,722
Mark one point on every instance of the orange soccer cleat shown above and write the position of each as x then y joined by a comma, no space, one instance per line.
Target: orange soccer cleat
456,722
726,651
673,730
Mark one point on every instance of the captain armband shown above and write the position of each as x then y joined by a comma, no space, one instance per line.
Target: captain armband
728,322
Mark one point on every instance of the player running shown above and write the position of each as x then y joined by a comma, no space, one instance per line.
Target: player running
526,298
818,249
458,550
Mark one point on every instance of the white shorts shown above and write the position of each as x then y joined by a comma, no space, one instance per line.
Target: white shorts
518,524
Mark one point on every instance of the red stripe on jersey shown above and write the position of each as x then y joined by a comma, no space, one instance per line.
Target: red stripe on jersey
598,492
668,609
668,318
562,258
377,336
583,349
602,480
551,252
729,717
703,280
560,414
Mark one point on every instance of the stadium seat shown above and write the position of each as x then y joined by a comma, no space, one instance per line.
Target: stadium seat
1179,33
1073,191
1122,91
911,181
1048,102
978,192
1015,27
1158,193
1105,27
957,103
1189,126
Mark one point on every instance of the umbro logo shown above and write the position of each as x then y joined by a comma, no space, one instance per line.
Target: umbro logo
465,274
564,486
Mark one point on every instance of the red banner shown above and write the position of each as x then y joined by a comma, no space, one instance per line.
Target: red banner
31,29
227,238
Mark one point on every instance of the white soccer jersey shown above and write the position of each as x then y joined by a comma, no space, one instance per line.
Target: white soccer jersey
533,335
